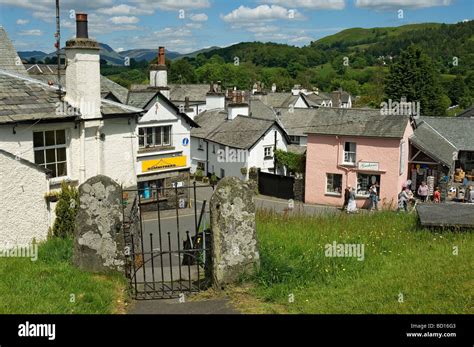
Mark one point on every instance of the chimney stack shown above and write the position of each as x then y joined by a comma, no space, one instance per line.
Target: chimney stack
159,74
215,98
237,106
83,71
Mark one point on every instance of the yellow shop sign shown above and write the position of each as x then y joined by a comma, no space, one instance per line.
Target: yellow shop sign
163,163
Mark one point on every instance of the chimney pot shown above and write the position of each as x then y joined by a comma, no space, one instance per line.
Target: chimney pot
161,56
81,26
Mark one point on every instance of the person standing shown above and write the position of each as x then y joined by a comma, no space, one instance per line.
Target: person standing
437,196
423,191
351,205
374,198
403,199
347,193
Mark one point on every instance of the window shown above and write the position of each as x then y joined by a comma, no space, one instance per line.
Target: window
364,181
50,151
154,136
222,173
349,153
333,183
201,145
267,152
295,140
214,149
151,189
201,165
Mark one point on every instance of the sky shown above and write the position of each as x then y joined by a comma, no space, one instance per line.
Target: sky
188,25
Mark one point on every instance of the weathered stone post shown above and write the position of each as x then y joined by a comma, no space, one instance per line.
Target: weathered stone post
98,240
234,241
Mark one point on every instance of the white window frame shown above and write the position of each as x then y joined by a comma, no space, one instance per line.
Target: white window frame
327,182
270,155
345,162
154,143
44,148
201,144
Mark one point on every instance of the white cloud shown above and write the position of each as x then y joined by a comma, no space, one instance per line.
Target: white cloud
124,20
263,29
198,17
20,21
170,5
194,25
124,9
32,32
390,4
259,13
312,4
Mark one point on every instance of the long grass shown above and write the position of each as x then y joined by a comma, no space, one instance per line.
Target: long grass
51,284
405,269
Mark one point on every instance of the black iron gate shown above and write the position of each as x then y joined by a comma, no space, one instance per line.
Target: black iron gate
276,185
167,241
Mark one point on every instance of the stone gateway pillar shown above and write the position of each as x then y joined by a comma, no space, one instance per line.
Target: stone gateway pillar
98,240
234,241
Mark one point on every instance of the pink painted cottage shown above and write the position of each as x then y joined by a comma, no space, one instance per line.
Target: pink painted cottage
356,147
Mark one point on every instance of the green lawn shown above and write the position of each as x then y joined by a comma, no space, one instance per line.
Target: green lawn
399,259
48,284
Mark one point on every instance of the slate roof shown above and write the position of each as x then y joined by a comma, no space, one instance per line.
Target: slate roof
313,100
195,92
467,113
9,59
459,131
279,99
23,98
296,122
356,122
46,73
140,98
259,110
433,144
242,132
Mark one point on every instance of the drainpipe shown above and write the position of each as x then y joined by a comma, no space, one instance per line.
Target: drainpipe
82,166
207,158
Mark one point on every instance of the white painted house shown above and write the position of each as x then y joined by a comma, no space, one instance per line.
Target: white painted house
230,140
75,135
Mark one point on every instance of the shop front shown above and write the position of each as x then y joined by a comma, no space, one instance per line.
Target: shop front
163,180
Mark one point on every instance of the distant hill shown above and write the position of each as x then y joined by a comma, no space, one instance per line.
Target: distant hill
147,54
358,36
112,57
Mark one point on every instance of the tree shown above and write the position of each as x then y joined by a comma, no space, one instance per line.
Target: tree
181,71
413,76
66,211
457,90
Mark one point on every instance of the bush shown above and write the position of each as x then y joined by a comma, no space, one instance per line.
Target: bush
66,211
213,179
199,175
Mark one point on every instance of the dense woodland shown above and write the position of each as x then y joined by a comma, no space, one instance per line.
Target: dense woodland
360,61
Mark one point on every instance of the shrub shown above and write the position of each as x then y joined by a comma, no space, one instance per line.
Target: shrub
199,175
213,179
66,211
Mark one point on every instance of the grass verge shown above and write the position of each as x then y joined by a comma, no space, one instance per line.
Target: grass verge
51,284
405,269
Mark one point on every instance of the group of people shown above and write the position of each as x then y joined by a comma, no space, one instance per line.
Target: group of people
350,199
406,195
